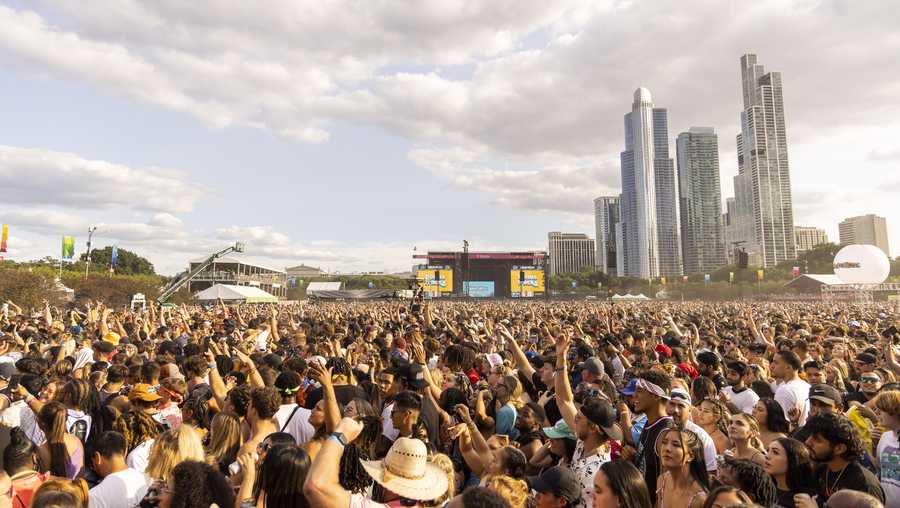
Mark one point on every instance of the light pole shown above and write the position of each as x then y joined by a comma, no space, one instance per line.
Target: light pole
87,265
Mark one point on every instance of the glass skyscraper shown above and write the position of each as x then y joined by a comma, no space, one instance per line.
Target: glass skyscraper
648,227
700,200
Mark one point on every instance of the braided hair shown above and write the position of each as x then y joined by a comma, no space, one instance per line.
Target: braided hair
353,476
721,413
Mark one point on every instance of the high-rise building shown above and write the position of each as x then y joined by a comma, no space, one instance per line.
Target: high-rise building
765,214
570,252
867,230
649,226
700,200
807,237
606,215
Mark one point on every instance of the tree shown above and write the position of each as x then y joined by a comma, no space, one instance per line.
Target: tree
128,263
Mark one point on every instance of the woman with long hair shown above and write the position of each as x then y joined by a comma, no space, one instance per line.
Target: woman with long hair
791,468
279,482
171,448
772,423
726,495
618,484
713,417
224,441
744,435
685,481
62,454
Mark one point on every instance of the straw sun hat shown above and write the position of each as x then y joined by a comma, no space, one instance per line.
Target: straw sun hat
405,471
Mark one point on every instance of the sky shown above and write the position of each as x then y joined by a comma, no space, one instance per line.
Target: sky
343,134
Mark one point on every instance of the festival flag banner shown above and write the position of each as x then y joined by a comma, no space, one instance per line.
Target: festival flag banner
114,257
731,277
662,280
706,278
4,237
684,279
760,274
68,247
796,271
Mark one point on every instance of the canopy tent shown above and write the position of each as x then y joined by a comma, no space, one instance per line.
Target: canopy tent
63,291
629,297
319,288
230,293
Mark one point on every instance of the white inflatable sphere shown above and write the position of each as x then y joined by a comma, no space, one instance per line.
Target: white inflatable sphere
862,264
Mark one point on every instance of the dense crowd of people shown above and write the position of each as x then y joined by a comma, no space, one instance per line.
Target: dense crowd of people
461,404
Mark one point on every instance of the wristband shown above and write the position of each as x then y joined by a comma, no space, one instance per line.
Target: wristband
559,369
211,365
339,438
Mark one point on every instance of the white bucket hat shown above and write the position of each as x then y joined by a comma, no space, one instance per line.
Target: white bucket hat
405,471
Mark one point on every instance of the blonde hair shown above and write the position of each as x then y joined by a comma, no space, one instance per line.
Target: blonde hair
171,448
224,438
514,491
442,461
888,402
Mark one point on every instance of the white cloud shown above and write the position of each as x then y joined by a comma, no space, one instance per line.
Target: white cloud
31,176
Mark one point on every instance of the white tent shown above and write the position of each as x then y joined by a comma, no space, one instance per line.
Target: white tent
64,292
629,297
229,293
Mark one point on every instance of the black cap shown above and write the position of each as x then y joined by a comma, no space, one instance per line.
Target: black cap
865,358
415,376
602,414
827,394
559,481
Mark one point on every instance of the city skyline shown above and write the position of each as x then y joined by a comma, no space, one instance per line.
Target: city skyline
315,140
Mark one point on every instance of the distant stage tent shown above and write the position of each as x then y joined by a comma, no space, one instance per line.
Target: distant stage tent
229,293
629,297
319,288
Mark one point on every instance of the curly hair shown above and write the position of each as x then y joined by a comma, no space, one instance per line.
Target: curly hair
514,491
751,478
265,401
199,485
239,397
837,429
721,414
658,378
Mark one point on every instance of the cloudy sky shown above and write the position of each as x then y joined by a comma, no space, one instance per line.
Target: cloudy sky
342,133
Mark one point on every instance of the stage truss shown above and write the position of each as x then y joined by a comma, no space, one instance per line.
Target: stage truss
863,293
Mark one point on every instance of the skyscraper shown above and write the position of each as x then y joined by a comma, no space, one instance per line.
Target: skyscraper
606,215
700,200
866,229
570,252
807,237
763,180
648,225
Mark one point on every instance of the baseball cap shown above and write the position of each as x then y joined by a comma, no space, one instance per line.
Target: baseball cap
141,391
415,376
559,431
112,338
602,414
559,481
7,370
663,350
593,365
679,396
629,388
865,358
825,393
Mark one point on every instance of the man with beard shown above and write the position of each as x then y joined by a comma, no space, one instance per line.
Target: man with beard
836,446
736,395
708,366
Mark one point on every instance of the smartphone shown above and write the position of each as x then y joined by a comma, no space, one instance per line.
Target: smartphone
14,382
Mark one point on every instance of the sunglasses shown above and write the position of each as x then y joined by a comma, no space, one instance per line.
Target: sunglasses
869,380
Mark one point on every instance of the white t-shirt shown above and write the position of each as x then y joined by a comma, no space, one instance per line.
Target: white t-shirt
888,453
124,489
745,401
298,426
794,394
140,456
387,424
709,446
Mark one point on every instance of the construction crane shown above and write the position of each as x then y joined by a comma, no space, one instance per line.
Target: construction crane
184,277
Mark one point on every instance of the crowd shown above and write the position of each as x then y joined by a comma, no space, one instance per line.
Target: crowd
459,404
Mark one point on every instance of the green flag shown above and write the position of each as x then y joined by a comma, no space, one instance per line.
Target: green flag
68,247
